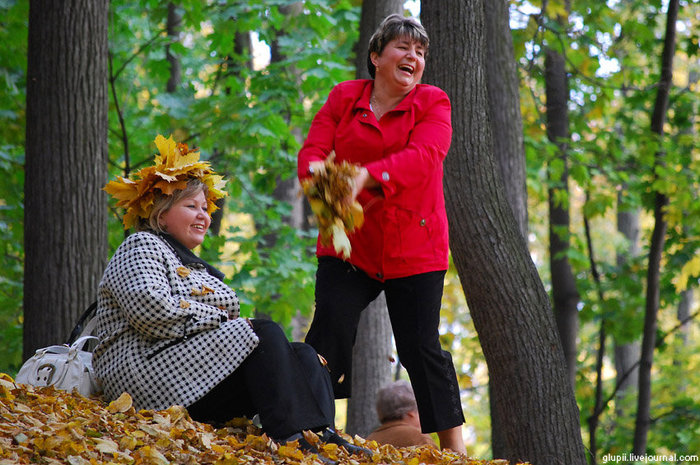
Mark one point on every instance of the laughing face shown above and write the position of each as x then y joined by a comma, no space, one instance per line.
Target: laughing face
187,220
401,63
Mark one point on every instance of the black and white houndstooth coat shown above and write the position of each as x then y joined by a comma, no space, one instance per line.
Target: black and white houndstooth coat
169,332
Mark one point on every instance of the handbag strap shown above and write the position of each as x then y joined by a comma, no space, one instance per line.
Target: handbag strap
56,349
78,345
82,328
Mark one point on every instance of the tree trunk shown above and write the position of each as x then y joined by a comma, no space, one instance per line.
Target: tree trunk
66,166
173,28
371,367
506,121
510,308
564,293
504,96
658,240
683,314
627,354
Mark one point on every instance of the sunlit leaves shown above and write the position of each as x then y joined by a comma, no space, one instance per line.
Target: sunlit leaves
43,425
328,191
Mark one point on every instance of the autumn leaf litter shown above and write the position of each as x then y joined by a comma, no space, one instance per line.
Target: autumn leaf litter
42,425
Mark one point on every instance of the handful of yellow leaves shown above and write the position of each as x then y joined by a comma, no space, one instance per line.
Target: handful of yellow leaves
328,191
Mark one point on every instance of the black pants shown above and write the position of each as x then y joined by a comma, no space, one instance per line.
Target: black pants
343,291
283,382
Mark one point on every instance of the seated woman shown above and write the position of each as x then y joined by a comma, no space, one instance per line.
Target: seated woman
169,328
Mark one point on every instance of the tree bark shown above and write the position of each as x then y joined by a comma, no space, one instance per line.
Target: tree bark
658,240
506,122
627,354
504,96
173,28
66,166
371,367
564,293
509,306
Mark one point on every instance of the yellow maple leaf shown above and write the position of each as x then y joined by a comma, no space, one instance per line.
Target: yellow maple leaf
121,404
174,165
341,241
106,446
183,271
291,452
152,456
207,290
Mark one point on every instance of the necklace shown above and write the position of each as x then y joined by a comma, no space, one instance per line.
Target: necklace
374,107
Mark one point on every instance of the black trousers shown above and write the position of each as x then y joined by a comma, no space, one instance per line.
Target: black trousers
283,382
343,291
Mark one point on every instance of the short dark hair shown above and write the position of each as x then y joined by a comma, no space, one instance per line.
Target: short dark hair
392,27
395,400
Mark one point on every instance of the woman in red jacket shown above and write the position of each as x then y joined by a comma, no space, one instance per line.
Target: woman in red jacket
399,131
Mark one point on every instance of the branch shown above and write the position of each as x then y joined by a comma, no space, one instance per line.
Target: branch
636,364
593,419
120,116
138,52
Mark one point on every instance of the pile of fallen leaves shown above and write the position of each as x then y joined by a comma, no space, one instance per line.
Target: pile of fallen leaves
328,191
48,426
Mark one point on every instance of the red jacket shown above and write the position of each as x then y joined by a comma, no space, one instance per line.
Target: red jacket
405,229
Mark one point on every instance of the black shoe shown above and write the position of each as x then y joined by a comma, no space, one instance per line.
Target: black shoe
331,436
306,446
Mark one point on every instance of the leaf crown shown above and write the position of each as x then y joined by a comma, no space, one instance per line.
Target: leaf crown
175,165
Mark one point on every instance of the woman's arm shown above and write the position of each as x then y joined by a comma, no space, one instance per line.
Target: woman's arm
427,147
140,284
319,141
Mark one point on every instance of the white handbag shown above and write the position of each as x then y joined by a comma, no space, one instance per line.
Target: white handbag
62,366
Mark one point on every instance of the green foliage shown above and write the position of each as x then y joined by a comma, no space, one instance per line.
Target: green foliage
247,121
13,63
614,161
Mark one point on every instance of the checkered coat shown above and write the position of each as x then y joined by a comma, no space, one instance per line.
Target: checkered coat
168,332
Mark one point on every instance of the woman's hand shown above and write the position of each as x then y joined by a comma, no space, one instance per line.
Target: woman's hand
317,167
362,180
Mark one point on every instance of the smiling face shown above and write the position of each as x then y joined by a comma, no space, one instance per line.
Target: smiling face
400,64
187,220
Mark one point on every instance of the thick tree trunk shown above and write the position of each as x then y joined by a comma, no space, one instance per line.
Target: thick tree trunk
510,308
658,240
504,96
506,123
371,367
564,293
66,166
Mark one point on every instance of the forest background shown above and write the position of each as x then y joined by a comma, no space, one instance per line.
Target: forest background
250,76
